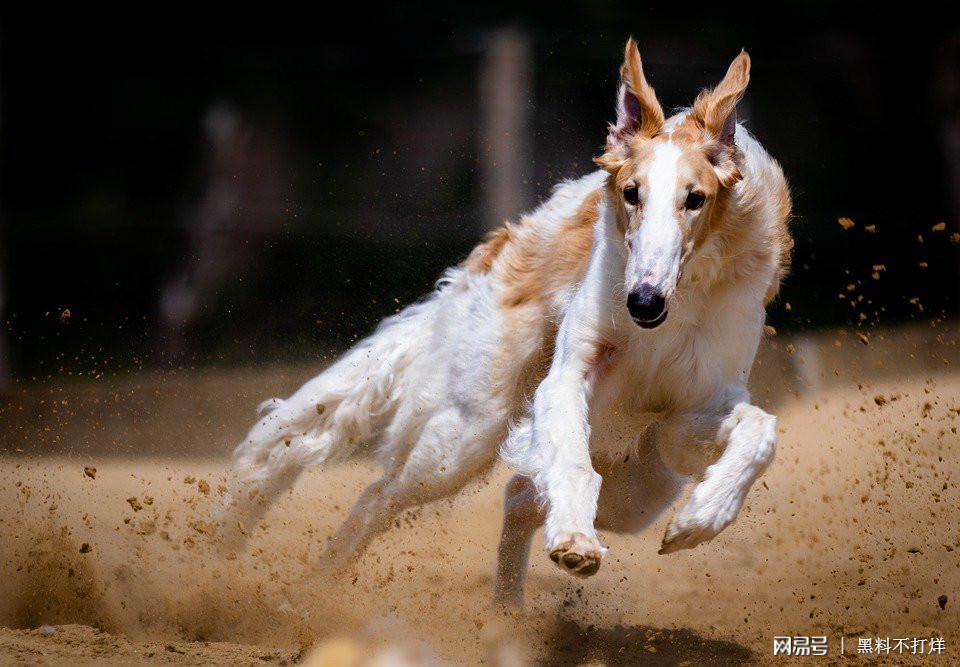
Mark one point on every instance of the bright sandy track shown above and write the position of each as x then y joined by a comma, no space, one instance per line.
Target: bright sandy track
854,532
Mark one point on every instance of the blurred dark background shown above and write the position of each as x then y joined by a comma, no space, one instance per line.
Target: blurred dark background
180,188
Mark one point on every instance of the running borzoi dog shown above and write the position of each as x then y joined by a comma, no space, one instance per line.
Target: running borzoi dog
602,345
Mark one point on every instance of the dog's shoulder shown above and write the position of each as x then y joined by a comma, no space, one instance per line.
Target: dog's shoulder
548,250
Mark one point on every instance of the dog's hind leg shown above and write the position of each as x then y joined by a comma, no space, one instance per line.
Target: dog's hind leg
369,516
349,403
747,437
452,449
252,492
522,515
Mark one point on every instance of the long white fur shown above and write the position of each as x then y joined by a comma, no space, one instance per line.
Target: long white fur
675,403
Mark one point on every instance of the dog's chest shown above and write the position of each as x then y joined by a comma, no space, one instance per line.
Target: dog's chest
642,385
676,371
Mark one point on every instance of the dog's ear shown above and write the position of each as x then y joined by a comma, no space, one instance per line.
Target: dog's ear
716,112
638,111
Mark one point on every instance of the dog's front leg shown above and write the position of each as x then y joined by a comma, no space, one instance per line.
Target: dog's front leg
748,438
568,481
561,434
556,453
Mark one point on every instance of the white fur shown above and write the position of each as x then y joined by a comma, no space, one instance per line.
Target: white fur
670,404
655,255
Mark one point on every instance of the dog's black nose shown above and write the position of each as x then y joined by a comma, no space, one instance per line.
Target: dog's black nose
647,306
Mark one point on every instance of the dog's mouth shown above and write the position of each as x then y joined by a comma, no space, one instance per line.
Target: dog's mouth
651,324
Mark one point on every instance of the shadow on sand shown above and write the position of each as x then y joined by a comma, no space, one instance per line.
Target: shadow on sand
639,645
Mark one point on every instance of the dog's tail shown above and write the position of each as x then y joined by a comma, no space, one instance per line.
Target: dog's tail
328,417
346,404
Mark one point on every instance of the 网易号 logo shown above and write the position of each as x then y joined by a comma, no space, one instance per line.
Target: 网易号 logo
800,645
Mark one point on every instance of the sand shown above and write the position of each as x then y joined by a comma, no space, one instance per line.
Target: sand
854,532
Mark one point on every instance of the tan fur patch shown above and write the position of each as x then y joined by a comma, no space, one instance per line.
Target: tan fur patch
782,240
531,268
480,259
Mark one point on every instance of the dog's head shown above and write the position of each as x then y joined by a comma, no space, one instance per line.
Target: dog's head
665,183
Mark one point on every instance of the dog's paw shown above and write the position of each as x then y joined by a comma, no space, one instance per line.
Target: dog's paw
684,535
700,520
577,554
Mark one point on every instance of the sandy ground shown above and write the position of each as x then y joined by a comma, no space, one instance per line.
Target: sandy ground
854,532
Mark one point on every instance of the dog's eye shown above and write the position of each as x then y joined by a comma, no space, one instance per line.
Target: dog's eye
631,195
694,201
